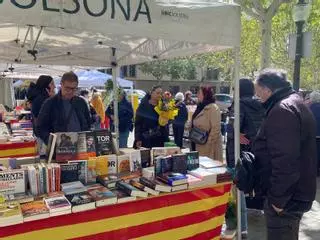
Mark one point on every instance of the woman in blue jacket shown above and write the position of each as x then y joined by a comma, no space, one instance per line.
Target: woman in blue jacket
125,114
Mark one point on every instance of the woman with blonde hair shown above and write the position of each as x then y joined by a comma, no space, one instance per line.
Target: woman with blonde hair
97,104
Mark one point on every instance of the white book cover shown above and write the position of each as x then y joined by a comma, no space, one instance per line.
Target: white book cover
112,164
12,181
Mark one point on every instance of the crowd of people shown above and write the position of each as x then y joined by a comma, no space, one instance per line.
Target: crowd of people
276,124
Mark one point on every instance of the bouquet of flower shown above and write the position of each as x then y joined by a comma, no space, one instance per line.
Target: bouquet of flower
166,109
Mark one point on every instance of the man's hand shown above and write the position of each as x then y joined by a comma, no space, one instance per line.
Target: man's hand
138,144
278,210
244,140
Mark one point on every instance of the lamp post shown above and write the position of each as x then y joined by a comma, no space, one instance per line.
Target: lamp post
301,12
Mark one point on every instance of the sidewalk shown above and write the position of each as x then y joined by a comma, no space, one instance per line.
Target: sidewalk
309,227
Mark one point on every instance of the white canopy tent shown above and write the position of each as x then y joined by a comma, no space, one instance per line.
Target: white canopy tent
117,32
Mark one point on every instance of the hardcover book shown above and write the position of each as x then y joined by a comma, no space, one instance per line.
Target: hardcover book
80,200
10,214
145,157
173,179
179,163
12,181
103,142
131,190
102,196
112,164
66,146
34,210
82,170
58,204
192,160
123,164
69,172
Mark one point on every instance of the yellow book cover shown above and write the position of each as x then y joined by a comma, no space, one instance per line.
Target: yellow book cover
9,209
102,165
92,174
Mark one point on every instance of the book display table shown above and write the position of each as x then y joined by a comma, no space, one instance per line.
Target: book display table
192,214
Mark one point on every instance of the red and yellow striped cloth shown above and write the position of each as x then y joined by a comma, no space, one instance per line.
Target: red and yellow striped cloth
194,214
15,150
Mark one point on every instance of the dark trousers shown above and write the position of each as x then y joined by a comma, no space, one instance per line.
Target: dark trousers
283,225
178,132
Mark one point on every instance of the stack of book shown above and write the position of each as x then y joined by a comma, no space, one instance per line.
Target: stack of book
10,214
57,204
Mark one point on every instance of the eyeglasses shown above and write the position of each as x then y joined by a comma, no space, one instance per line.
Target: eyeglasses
70,89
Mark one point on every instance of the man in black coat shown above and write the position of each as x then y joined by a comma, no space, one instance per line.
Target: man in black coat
285,151
64,112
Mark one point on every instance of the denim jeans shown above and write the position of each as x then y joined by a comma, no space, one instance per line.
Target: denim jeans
123,139
244,213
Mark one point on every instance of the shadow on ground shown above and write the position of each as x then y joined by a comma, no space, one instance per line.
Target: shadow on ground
309,227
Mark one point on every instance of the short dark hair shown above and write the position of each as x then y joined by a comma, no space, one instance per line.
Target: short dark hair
155,88
273,79
246,87
84,92
70,77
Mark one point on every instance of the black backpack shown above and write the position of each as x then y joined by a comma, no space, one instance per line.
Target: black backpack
244,173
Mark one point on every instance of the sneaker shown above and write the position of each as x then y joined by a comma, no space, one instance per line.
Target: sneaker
244,235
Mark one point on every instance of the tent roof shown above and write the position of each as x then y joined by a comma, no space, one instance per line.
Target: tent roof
142,31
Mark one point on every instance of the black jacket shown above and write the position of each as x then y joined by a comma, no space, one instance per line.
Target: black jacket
251,116
146,120
285,150
37,98
125,113
52,119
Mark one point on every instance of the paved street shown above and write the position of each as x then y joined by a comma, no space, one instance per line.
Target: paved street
309,227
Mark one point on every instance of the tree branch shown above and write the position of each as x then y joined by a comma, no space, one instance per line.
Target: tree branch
252,12
274,7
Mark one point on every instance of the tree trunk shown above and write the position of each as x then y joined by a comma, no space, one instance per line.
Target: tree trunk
266,27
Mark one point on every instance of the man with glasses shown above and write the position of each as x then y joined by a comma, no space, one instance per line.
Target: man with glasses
64,112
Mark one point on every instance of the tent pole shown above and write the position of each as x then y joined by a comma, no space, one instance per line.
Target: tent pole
115,73
237,130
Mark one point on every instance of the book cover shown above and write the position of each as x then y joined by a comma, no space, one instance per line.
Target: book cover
148,172
72,185
57,203
10,213
8,163
206,162
102,196
163,151
91,147
173,179
130,190
20,197
145,157
135,160
34,210
166,164
204,174
142,187
158,165
92,174
192,160
82,170
80,201
86,145
123,164
12,181
179,163
122,196
66,147
103,142
102,165
69,172
112,164
155,185
108,181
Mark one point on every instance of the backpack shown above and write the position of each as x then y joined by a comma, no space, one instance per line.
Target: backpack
244,173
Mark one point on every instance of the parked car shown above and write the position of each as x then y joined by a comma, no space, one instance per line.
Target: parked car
224,101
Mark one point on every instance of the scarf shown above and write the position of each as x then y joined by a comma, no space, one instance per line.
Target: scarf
276,97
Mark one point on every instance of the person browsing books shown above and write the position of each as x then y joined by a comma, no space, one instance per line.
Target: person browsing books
148,133
207,118
64,112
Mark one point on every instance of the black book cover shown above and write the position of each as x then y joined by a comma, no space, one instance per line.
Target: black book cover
145,157
148,183
69,172
66,146
79,198
103,142
166,164
192,160
179,163
157,165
